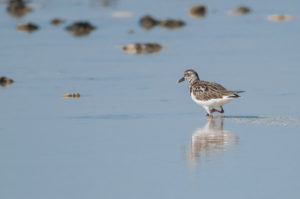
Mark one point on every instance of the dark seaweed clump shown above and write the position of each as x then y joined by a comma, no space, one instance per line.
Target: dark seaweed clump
171,23
80,28
27,27
148,22
142,48
5,81
18,8
242,10
198,11
57,21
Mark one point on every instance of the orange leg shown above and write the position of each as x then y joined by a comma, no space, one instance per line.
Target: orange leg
215,110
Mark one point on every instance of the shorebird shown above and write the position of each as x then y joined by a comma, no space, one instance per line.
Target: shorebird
209,95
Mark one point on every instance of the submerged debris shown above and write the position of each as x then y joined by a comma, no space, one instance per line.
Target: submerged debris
18,8
5,81
280,17
171,23
142,48
71,95
198,11
148,22
27,27
57,21
242,10
131,31
105,3
80,28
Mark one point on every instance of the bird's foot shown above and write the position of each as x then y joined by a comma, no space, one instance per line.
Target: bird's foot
215,110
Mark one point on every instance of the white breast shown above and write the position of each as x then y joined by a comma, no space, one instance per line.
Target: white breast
212,103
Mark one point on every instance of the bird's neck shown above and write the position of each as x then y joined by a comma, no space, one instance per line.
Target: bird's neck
192,80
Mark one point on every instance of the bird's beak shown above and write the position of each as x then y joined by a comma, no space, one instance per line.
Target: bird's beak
181,80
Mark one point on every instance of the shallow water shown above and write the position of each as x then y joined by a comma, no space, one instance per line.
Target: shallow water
135,132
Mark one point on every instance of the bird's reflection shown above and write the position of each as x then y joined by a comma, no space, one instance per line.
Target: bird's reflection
210,139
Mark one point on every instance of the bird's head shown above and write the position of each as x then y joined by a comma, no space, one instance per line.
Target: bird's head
189,75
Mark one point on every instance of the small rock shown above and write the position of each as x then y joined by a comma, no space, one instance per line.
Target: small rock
198,11
142,48
242,10
80,28
171,23
27,27
57,21
280,17
148,22
18,8
71,95
5,81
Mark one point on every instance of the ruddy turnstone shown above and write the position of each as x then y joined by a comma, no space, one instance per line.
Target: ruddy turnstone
209,95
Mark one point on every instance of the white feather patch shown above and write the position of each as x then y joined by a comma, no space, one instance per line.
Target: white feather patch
212,103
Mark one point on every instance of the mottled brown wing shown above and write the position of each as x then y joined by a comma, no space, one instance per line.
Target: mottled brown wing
207,90
217,86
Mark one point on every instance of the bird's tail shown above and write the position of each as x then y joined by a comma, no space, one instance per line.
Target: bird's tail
233,94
